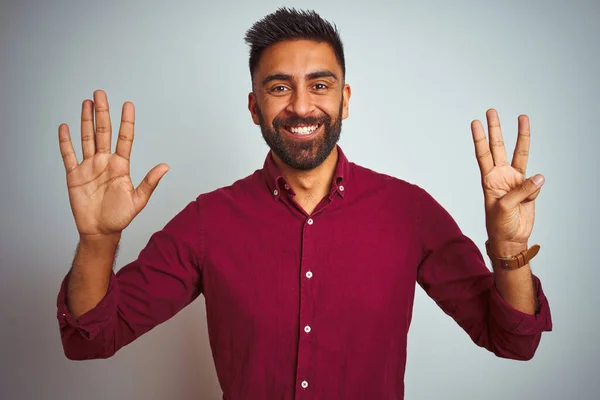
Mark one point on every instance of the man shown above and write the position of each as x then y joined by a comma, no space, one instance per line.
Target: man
309,265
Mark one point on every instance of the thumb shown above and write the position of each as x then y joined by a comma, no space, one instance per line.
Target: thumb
142,193
533,196
526,191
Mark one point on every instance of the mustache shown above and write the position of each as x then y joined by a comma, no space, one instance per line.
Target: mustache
296,120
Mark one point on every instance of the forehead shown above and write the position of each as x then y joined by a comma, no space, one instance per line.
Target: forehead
297,57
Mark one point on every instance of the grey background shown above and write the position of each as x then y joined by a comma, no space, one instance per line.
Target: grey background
419,74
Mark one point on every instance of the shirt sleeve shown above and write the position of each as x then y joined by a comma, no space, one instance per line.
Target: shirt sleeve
165,277
453,273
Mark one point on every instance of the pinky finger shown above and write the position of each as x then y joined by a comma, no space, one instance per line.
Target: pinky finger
66,148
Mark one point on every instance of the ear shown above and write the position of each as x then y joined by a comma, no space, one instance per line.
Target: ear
346,92
252,108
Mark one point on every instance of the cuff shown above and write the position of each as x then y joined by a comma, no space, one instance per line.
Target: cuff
517,322
90,323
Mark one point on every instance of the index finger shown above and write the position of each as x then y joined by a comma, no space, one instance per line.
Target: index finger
521,153
126,131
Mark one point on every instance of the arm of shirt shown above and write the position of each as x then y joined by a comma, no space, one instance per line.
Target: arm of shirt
453,273
164,279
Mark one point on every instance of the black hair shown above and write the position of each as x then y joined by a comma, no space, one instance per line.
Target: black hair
290,24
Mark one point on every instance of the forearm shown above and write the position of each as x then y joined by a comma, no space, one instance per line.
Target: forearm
516,287
90,273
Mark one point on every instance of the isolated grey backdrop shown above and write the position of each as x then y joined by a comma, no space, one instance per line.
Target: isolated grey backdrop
419,74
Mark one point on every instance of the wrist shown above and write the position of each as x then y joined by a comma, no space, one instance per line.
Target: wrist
506,248
99,241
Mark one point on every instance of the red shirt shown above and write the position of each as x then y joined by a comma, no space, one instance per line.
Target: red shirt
307,306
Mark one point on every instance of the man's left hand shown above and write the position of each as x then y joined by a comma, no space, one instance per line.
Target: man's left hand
509,196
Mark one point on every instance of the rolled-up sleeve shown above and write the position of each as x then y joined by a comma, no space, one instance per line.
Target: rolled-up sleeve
509,319
453,273
91,322
165,277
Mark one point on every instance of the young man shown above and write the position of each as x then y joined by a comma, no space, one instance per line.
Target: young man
309,265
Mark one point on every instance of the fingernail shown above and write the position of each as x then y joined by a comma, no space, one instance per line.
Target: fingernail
538,179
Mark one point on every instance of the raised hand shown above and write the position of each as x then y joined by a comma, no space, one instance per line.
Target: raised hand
509,195
102,196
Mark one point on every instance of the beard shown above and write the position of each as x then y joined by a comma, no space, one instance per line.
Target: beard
305,154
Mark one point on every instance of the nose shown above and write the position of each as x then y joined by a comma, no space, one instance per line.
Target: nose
300,103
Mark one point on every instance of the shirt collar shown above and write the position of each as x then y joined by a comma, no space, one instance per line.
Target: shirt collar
277,184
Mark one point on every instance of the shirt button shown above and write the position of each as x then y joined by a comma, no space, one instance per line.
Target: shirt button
310,221
304,384
275,192
309,274
307,329
341,188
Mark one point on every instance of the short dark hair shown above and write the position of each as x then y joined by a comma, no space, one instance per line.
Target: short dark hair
289,24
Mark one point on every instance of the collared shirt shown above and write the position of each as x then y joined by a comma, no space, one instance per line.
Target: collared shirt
307,306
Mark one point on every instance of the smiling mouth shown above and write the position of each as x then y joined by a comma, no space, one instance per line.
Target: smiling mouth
302,130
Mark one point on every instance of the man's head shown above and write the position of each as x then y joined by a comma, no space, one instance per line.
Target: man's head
299,96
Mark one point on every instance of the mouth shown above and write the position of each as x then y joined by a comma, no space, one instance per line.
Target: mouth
302,131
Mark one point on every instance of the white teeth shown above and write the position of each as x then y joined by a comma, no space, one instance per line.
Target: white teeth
306,130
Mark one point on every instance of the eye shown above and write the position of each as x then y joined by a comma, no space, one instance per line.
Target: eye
320,86
279,89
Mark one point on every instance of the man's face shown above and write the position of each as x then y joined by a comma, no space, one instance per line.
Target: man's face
299,100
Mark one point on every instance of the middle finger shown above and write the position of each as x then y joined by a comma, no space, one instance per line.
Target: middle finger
103,126
496,140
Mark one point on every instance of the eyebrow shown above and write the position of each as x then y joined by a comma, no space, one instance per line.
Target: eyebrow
311,76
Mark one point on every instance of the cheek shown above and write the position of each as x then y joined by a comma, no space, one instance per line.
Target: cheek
331,105
333,111
272,109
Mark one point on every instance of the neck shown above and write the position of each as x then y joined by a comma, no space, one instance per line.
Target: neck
312,185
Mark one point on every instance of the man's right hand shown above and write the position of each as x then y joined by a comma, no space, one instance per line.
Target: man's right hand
102,196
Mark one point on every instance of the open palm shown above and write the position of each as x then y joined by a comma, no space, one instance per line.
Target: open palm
102,196
509,204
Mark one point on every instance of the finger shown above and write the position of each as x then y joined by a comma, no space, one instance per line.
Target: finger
125,140
146,187
521,153
496,140
88,143
522,192
533,196
103,126
66,148
482,148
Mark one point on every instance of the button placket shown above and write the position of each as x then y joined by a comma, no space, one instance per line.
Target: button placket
303,371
